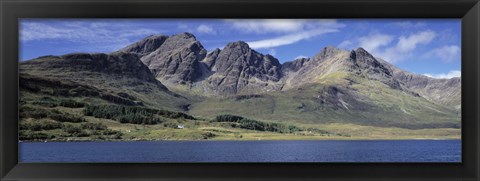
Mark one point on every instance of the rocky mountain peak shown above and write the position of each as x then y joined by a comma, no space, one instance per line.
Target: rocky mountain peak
238,45
240,53
361,53
185,35
363,59
326,52
366,64
146,45
176,59
181,40
237,68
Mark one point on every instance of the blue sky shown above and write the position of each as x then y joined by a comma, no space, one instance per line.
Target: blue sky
425,46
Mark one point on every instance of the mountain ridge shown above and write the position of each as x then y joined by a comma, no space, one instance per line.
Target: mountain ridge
342,80
332,86
180,60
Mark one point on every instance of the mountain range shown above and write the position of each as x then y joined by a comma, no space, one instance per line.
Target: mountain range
177,73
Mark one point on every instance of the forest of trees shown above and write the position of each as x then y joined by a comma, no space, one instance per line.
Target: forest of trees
134,115
251,124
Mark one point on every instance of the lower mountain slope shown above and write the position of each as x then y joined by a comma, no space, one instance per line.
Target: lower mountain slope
344,99
117,77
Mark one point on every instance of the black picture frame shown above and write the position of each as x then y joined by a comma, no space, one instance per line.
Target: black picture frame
12,10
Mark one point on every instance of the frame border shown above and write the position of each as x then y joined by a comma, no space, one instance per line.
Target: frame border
12,10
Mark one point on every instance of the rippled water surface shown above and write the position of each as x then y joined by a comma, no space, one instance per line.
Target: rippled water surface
244,151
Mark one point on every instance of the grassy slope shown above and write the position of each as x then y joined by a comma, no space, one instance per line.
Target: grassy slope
203,129
142,92
369,103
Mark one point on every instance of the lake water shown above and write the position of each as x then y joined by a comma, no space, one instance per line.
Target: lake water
244,151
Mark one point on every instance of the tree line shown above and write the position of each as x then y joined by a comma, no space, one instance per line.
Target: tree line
251,124
133,114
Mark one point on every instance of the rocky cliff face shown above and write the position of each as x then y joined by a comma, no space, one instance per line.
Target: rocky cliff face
211,58
369,66
327,52
317,66
175,59
146,45
445,92
181,60
295,65
237,68
332,61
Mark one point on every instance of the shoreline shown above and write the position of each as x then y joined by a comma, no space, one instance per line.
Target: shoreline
213,140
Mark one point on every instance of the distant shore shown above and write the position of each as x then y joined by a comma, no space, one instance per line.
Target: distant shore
308,139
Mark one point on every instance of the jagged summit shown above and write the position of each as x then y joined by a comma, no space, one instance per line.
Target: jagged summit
154,37
146,45
185,35
153,42
361,53
238,68
238,44
326,52
365,60
174,59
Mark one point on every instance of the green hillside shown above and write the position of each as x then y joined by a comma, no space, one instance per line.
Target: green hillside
345,99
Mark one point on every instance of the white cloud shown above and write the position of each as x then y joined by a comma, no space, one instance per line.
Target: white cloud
290,30
384,46
102,35
446,53
374,41
268,25
409,43
451,74
38,31
300,56
409,24
406,45
205,29
347,44
289,39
